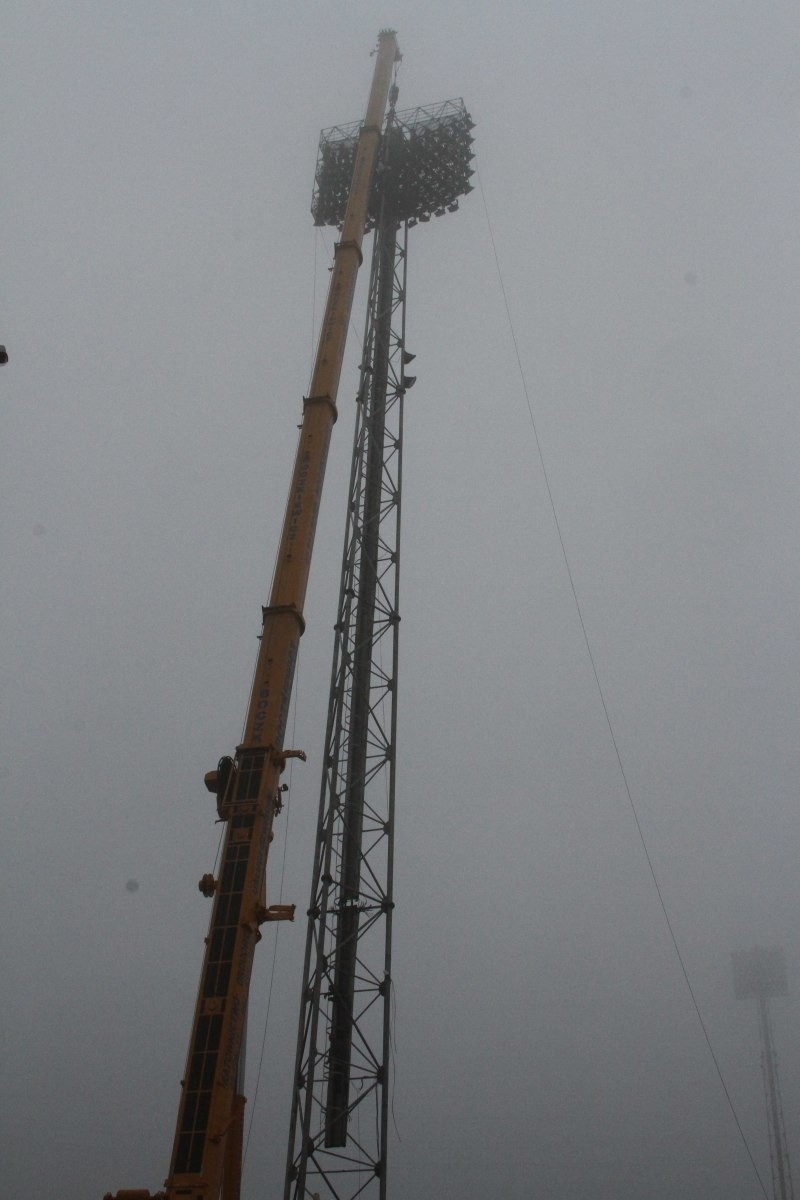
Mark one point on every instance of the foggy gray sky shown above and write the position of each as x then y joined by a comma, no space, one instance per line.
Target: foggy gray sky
161,278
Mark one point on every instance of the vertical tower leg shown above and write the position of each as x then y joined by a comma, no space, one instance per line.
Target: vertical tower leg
347,918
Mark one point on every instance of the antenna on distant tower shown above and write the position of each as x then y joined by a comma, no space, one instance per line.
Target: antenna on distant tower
759,974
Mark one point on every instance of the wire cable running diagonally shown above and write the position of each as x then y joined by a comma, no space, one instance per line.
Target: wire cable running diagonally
606,713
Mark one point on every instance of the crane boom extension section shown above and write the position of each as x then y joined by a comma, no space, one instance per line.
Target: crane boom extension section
247,787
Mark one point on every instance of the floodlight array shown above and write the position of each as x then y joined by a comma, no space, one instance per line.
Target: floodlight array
429,166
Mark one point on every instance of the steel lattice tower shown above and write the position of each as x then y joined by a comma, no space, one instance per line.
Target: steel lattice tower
759,974
338,1133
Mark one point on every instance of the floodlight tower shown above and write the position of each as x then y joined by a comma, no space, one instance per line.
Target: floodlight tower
339,1122
759,974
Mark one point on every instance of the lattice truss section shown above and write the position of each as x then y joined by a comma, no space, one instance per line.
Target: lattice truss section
431,158
780,1165
339,1115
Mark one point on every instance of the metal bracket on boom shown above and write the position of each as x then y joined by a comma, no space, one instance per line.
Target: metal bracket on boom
271,610
279,757
272,912
321,400
277,912
349,244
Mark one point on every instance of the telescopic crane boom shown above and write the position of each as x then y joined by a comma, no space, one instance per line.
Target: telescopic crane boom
206,1155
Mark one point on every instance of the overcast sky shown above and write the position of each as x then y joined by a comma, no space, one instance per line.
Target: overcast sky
161,282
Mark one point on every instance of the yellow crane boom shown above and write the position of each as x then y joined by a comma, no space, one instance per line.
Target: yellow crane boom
206,1150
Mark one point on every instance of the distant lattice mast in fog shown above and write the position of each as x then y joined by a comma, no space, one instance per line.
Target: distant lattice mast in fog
760,974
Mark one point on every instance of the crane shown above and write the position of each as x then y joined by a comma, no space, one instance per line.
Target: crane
206,1155
388,176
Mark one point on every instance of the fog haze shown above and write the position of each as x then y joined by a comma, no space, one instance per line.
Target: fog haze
162,282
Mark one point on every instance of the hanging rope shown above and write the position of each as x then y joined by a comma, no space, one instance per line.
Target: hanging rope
606,713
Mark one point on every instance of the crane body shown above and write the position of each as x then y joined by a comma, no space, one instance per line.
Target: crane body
205,1159
388,177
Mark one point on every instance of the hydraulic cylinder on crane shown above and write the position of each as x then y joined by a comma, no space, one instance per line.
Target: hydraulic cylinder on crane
247,785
